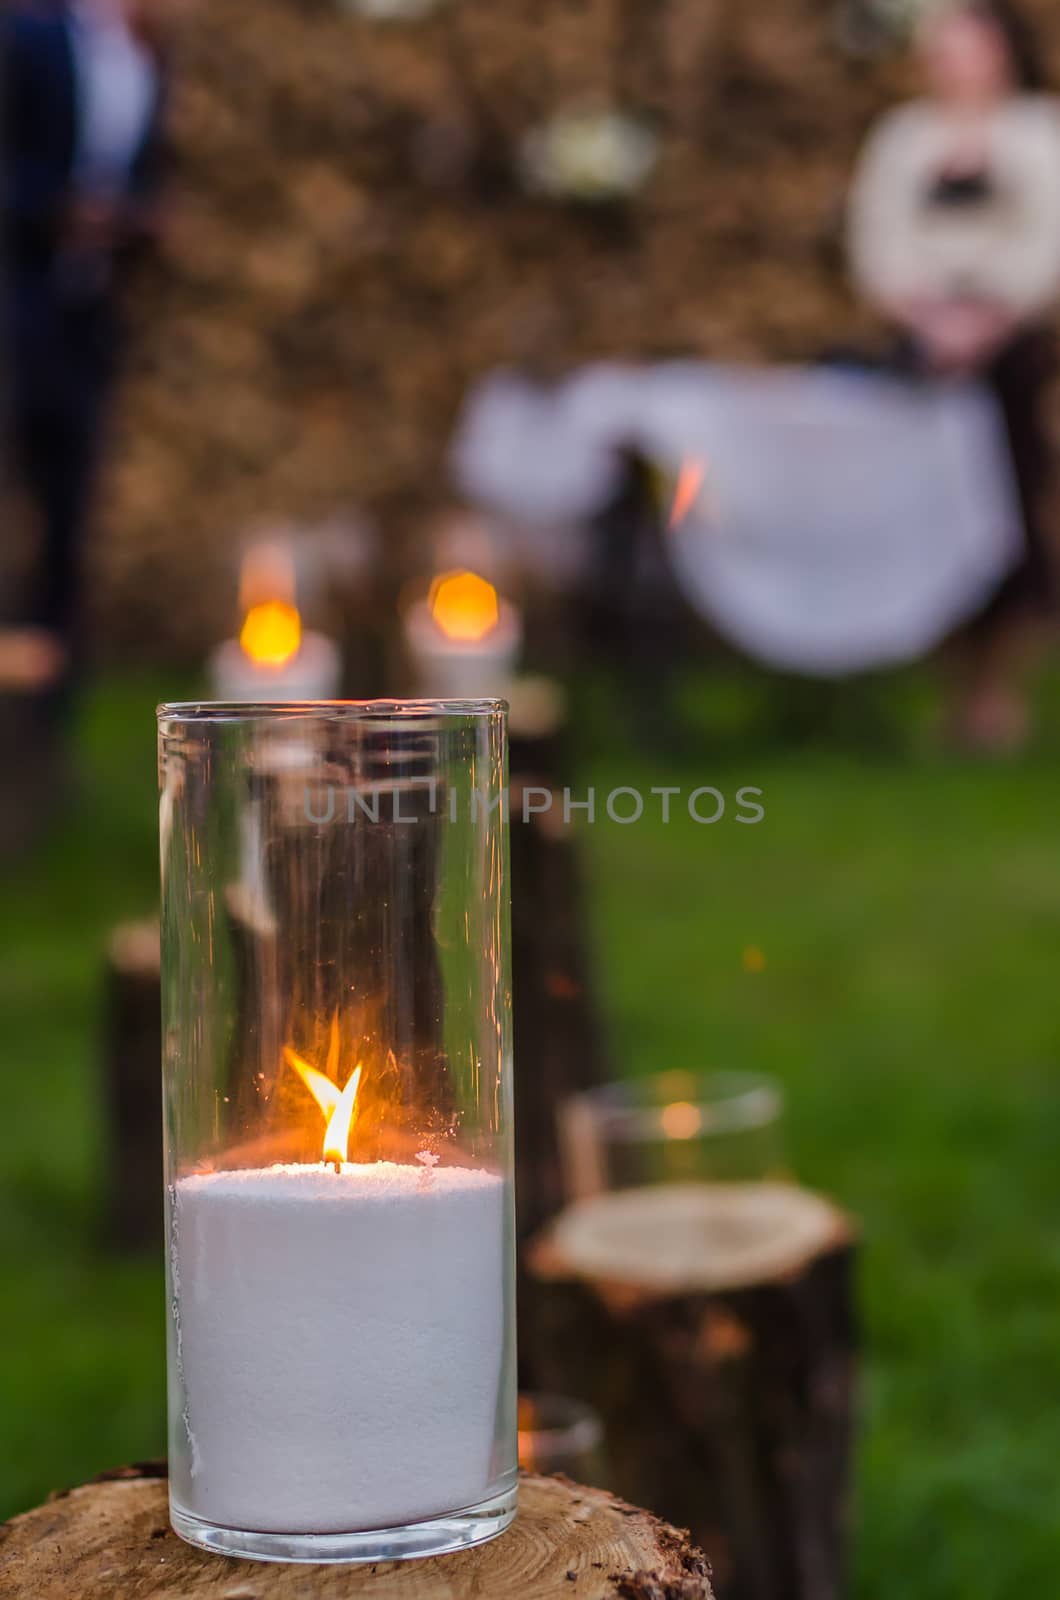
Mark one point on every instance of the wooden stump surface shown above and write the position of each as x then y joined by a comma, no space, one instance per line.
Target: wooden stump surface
111,1540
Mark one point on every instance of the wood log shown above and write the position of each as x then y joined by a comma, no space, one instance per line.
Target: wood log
132,1085
260,1013
112,1538
31,673
713,1328
31,794
537,730
559,1042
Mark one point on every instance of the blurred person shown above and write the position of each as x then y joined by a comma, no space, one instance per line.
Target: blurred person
955,239
84,88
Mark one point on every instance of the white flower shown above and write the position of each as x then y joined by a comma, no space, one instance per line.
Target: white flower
583,155
391,10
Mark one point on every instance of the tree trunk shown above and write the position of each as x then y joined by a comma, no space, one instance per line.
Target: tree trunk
559,1043
112,1538
32,792
537,731
132,1070
713,1328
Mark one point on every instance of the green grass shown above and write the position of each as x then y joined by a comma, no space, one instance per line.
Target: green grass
81,1333
909,913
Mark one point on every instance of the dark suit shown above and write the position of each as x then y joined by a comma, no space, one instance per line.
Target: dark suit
60,297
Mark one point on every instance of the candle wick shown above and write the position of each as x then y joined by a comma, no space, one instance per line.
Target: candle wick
338,1167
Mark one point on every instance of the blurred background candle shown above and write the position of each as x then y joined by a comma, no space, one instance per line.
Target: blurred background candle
557,1434
274,657
463,640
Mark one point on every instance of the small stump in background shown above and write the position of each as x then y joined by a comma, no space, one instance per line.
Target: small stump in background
31,670
712,1326
132,1085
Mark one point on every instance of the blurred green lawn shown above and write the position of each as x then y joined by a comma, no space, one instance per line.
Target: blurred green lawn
909,912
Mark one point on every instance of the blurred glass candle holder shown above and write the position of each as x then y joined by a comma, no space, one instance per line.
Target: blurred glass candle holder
557,1434
673,1127
337,1075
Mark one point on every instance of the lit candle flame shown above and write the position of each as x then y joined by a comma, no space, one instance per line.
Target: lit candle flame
324,1092
271,633
337,1133
464,606
681,1120
337,1105
689,483
272,628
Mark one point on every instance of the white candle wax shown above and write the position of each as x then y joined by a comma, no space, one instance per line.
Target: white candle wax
338,1337
462,669
314,672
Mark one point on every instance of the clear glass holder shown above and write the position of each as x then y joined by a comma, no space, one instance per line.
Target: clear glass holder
436,1536
673,1127
340,1237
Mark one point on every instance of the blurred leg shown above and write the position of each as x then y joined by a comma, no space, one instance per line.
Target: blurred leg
57,456
1003,645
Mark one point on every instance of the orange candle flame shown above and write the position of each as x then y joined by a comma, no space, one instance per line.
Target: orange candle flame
272,627
337,1133
681,1120
271,633
464,606
337,1105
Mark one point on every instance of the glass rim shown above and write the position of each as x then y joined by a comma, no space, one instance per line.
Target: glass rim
743,1100
411,710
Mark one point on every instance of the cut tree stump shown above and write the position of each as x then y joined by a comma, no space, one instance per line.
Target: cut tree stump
32,793
559,1043
132,1068
537,731
560,1047
713,1328
111,1540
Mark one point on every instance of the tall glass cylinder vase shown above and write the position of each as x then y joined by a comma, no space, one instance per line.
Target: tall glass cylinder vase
337,1075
